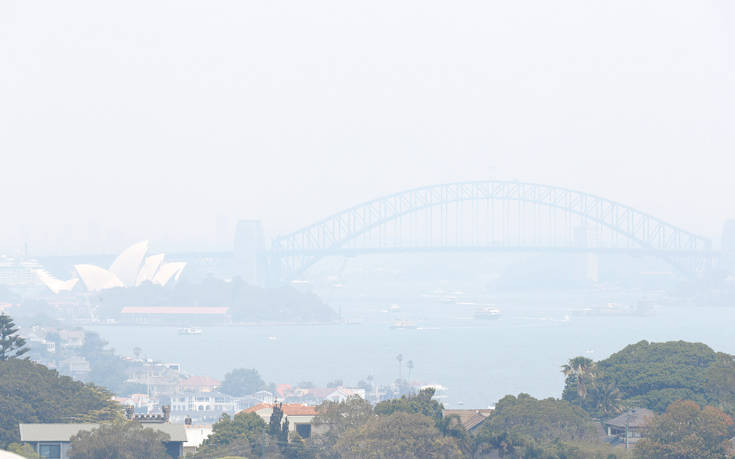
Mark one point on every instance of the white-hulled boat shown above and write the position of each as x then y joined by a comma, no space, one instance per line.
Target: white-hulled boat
190,331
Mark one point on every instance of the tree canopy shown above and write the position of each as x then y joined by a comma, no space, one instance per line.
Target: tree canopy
238,435
686,431
653,375
421,403
242,381
399,434
542,420
120,440
32,393
12,345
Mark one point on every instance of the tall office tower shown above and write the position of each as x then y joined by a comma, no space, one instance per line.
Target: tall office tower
249,252
728,236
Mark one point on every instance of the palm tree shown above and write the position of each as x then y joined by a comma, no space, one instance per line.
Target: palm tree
583,371
409,365
399,357
606,398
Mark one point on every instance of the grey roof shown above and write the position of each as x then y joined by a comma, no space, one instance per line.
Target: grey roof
64,432
634,417
52,432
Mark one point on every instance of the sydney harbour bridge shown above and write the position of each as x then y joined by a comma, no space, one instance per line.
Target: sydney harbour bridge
488,216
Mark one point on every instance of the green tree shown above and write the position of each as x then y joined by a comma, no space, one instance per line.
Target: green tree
606,399
653,375
23,449
686,431
241,382
120,440
336,418
12,346
398,435
579,371
242,434
421,403
31,393
107,368
543,421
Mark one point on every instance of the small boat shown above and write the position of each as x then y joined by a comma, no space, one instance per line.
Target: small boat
487,313
394,308
190,331
404,324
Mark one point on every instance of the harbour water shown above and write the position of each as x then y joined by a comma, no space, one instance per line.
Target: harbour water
478,361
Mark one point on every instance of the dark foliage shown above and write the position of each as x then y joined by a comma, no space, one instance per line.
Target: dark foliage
120,440
12,346
687,432
246,302
543,421
241,382
241,435
32,393
653,375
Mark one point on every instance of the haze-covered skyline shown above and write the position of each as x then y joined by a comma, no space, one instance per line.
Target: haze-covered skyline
117,127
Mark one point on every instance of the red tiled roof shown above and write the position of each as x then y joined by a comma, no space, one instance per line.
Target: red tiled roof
173,310
289,409
282,388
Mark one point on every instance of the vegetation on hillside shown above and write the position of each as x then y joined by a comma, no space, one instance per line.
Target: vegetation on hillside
686,431
246,302
652,375
12,345
119,440
31,393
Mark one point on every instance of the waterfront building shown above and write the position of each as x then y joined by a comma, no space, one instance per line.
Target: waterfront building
131,268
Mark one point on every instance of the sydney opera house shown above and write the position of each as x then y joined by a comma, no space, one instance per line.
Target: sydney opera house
131,268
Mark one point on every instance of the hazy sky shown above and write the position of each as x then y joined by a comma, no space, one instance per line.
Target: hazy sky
156,120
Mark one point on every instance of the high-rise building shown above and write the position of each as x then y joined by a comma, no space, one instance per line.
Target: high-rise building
249,252
728,236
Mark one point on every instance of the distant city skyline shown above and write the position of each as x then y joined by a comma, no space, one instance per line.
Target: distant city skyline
113,131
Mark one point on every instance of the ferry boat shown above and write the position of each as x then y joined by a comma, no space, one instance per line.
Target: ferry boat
404,324
190,331
489,313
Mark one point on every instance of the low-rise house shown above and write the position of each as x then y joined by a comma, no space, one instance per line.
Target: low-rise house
72,338
264,396
471,420
53,441
204,401
628,427
198,384
195,436
340,394
299,416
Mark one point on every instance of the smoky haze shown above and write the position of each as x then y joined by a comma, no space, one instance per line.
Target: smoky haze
171,120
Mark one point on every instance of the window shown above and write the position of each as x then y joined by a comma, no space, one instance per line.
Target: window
304,430
50,451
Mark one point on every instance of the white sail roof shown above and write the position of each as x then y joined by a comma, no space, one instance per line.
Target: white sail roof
167,271
126,265
53,283
149,269
96,278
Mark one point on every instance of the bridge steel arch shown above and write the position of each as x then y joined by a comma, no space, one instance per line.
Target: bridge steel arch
293,253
